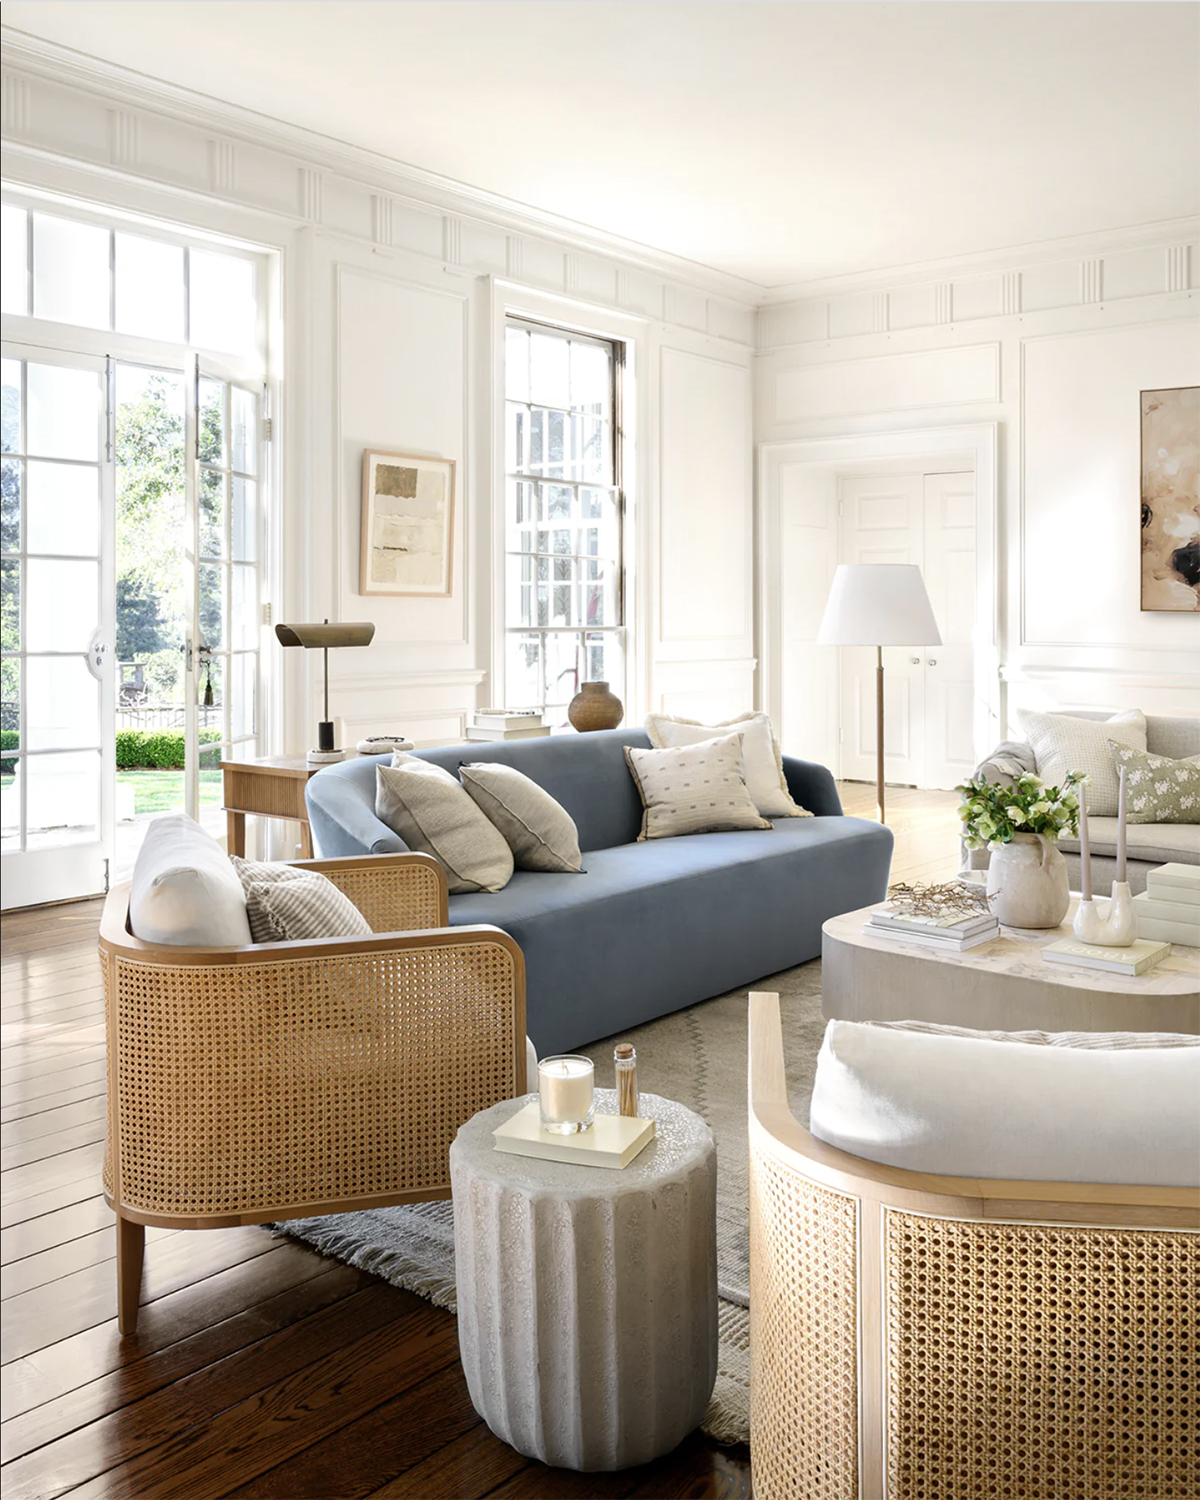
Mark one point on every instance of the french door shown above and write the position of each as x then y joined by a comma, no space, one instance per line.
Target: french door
131,607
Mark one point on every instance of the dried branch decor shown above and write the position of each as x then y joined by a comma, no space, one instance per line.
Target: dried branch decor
925,900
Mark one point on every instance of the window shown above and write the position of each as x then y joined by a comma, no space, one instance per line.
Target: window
564,606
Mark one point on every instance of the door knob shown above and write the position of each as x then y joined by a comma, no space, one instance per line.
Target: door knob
915,660
932,662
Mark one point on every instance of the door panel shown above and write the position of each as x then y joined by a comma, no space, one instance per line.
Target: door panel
949,502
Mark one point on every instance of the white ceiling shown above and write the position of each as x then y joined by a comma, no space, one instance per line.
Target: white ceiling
779,140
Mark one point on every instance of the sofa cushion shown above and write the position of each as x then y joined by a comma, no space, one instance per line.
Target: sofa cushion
261,872
1093,1041
1157,843
538,830
697,788
184,891
1062,743
1175,738
433,814
763,765
310,906
973,1107
1158,789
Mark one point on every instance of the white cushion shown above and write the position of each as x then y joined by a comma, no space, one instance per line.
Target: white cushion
540,832
696,789
973,1107
433,814
1062,743
1157,843
760,754
184,892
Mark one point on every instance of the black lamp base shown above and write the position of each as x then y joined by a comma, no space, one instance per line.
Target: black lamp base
325,735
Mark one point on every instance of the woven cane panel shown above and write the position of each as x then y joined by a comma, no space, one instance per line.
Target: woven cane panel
1038,1363
393,898
244,1086
803,1337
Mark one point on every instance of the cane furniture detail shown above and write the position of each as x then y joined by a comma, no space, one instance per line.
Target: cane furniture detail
283,1080
926,1337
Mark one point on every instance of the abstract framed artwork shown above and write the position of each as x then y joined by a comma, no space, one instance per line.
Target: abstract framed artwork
407,524
1171,499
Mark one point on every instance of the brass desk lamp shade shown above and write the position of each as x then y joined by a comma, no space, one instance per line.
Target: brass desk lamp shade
323,637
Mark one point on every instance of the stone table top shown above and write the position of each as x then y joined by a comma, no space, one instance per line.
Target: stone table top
681,1141
1017,953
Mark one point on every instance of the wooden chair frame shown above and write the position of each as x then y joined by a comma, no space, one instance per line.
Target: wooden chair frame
917,1337
285,1080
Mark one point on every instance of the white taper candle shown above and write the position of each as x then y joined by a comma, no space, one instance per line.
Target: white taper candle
1121,826
1085,848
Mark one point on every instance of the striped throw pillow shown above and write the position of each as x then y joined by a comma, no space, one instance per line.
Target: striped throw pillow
261,872
307,906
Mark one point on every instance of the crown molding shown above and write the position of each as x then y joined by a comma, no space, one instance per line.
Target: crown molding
25,54
1004,259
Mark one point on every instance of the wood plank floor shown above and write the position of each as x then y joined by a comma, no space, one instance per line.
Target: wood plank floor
259,1368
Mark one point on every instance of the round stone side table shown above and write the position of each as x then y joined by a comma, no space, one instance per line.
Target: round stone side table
587,1296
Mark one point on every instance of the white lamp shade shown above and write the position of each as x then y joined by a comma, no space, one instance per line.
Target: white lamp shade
878,604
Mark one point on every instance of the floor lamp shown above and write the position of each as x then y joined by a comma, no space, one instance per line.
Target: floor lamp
878,604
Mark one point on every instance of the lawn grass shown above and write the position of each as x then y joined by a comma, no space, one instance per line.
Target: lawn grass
162,791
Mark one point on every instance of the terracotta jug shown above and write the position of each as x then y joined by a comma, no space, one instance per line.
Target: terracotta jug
594,707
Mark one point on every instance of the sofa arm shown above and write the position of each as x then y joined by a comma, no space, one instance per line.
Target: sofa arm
343,820
812,787
395,892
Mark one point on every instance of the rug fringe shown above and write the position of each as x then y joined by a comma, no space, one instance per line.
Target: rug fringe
391,1265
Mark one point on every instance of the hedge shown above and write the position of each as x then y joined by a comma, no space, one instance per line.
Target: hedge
137,749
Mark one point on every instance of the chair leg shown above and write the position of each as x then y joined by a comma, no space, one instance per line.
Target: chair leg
131,1246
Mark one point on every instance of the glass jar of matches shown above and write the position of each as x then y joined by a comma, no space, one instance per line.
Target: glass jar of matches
625,1062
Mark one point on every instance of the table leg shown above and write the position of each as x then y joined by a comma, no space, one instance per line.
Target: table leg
235,830
306,843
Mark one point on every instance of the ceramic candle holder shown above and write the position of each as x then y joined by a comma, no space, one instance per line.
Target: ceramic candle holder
566,1086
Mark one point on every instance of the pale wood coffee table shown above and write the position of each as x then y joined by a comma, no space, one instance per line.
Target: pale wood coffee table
1004,985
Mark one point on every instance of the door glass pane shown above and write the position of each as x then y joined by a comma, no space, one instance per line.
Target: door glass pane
14,260
64,508
212,421
243,608
10,704
149,288
62,604
242,427
243,672
212,513
10,420
64,413
222,302
10,505
70,272
64,799
212,605
10,804
62,700
10,605
245,519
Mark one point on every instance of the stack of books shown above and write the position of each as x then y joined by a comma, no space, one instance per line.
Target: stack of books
1135,959
951,933
1168,910
507,724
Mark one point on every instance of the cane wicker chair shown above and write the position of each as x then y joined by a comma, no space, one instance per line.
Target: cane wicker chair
283,1080
948,1338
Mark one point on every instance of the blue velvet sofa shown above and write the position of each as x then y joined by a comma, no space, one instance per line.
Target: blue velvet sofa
650,927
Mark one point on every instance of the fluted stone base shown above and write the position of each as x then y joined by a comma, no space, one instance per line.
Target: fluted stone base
587,1297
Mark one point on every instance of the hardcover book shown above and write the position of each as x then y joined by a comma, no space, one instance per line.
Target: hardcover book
1136,959
613,1140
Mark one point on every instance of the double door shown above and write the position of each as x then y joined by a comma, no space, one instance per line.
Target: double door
130,519
929,520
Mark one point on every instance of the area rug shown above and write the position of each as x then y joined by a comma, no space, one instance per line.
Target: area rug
697,1056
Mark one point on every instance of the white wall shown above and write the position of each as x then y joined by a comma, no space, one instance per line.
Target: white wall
392,292
1054,352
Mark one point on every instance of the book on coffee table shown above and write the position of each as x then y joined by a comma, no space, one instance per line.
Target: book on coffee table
613,1140
1135,959
1174,882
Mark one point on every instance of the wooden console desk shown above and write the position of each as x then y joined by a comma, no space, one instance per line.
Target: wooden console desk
270,787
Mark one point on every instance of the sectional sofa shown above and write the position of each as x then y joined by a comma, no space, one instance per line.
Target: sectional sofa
651,927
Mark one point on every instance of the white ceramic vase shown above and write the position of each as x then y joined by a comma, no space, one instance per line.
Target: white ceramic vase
1113,927
1027,882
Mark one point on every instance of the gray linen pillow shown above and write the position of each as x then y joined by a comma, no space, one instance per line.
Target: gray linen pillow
263,927
540,832
433,814
308,906
693,789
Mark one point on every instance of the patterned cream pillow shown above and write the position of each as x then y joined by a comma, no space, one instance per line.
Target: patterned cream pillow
1062,743
694,789
760,752
310,906
1157,788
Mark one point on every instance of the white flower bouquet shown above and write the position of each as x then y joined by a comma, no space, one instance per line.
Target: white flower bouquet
994,814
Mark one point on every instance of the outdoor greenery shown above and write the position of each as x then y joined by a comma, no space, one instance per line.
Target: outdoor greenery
159,749
162,791
994,814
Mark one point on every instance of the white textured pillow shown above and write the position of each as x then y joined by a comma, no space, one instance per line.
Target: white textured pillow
307,906
263,928
540,832
972,1107
763,767
695,789
433,814
184,891
1062,743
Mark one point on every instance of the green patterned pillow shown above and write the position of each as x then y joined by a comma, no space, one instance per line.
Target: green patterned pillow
1158,789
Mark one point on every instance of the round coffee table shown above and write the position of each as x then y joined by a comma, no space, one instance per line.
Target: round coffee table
1003,985
587,1296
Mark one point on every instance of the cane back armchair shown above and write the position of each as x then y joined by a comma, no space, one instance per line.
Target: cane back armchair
949,1338
283,1080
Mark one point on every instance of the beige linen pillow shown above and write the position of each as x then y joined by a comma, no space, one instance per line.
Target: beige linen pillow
693,789
765,780
432,813
306,906
540,832
263,926
1062,743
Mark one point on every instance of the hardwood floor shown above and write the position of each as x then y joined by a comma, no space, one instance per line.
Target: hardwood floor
259,1368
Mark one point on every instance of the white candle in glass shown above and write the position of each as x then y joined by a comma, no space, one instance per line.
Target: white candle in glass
1085,848
565,1091
1121,827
